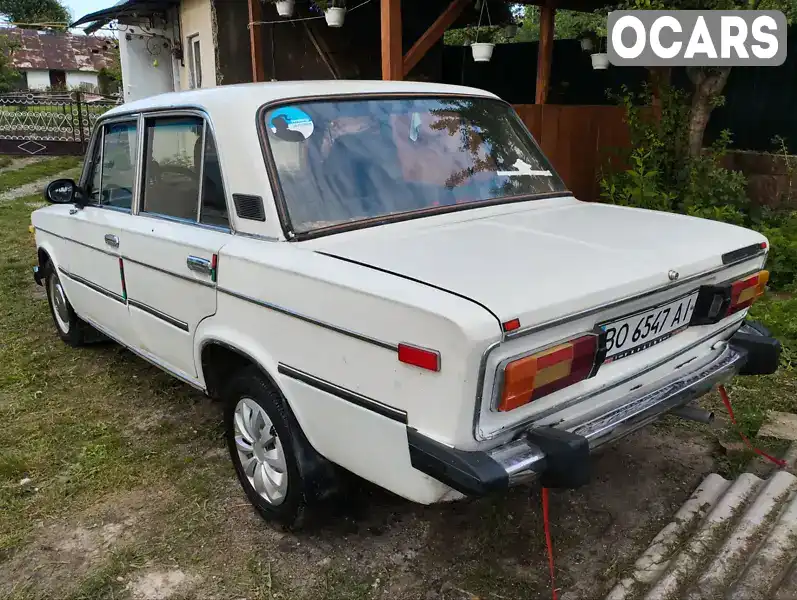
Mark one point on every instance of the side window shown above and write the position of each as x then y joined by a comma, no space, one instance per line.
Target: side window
110,180
214,204
180,162
172,158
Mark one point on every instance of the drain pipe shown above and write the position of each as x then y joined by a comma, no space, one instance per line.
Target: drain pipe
694,413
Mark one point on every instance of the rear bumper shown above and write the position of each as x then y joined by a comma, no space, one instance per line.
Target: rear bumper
559,456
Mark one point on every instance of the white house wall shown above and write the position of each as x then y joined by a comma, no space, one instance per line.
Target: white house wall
75,79
147,62
38,79
196,19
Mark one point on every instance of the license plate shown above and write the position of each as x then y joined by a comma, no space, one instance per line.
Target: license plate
637,332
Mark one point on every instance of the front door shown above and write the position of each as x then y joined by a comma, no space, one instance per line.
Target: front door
171,246
93,279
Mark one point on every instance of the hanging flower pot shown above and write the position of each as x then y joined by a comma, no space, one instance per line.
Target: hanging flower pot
600,60
335,16
284,8
482,51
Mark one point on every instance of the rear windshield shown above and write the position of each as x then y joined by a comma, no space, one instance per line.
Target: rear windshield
342,161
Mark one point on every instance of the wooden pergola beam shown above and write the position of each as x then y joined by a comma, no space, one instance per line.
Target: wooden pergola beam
544,53
256,40
433,34
392,68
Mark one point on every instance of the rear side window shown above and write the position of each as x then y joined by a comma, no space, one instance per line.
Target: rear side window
182,177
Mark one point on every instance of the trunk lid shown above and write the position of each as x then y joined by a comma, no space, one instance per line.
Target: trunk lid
538,261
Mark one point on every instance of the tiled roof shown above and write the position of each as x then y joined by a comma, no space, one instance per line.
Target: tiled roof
50,50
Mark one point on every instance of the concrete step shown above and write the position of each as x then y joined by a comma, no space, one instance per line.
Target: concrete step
732,540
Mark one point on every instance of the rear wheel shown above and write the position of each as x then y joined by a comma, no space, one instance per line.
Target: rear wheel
71,329
279,471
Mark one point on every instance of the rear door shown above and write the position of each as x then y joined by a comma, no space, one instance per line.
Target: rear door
171,245
93,279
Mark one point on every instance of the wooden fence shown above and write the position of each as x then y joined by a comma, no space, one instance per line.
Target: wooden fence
578,140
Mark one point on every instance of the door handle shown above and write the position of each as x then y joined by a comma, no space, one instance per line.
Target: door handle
111,240
200,265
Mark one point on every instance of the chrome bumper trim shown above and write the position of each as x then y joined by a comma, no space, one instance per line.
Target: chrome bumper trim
523,461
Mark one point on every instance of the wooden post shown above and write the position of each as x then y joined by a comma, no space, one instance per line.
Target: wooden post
256,40
392,59
544,53
433,34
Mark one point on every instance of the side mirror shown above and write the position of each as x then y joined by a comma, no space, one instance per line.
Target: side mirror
61,191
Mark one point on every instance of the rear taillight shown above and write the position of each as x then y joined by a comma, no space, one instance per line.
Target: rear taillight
534,376
715,302
746,291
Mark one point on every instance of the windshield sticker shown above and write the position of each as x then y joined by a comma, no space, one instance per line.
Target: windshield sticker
290,124
524,169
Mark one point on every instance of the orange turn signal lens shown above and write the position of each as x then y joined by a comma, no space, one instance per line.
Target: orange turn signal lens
746,291
534,376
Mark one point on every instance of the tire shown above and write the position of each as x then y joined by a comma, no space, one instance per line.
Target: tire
281,474
71,329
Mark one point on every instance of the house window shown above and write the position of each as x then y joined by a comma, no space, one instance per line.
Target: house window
194,62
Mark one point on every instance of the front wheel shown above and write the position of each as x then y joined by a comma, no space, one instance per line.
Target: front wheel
273,461
71,329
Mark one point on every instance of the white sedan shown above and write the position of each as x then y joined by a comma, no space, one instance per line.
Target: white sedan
390,278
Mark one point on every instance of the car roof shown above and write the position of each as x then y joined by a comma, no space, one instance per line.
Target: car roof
247,97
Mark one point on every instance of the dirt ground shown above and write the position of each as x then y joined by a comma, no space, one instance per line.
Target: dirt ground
371,544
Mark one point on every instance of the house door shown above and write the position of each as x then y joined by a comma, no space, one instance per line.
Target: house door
58,80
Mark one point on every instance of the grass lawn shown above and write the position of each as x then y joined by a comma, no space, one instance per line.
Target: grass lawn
38,170
114,480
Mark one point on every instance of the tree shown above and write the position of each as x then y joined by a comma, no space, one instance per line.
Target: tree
569,24
708,83
8,75
25,12
109,78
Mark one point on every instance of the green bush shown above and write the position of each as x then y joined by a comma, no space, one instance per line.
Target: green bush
662,176
781,231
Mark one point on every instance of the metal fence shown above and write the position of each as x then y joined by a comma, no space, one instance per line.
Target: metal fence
49,123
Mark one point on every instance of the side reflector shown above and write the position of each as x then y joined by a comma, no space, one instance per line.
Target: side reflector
419,357
746,291
532,377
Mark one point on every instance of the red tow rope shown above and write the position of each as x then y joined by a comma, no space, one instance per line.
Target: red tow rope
727,402
548,543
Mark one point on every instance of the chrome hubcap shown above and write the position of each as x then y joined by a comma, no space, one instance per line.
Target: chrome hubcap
58,298
260,451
